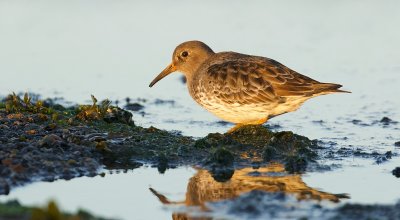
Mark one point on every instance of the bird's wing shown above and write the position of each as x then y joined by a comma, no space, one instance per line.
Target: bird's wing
239,82
285,81
261,79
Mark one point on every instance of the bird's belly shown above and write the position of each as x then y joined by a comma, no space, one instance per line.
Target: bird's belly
237,113
249,113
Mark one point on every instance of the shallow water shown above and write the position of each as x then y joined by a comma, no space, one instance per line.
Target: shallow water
113,50
124,195
119,195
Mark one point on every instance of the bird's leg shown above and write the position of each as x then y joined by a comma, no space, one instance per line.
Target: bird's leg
237,126
234,128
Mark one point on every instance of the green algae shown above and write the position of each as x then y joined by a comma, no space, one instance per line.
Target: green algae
103,111
15,104
254,135
11,209
14,210
221,157
258,142
94,111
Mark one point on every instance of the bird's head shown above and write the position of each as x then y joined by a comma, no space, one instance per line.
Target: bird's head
187,58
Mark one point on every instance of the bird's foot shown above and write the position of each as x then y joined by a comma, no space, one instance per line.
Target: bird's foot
237,126
234,128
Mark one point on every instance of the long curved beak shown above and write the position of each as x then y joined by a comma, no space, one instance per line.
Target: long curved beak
169,69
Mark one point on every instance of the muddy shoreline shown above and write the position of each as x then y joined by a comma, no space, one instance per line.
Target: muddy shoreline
45,141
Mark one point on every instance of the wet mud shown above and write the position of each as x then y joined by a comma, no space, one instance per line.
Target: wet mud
41,142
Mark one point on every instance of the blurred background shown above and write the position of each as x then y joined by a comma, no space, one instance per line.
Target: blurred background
114,48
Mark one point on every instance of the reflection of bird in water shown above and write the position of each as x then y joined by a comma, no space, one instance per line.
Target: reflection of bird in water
203,188
240,88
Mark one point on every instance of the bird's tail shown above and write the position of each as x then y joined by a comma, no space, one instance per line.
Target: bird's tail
327,88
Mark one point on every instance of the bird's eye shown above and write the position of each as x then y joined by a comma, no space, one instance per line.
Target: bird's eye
184,54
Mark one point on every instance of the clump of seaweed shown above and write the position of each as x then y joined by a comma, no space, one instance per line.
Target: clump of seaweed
94,111
15,104
14,210
221,156
256,143
103,111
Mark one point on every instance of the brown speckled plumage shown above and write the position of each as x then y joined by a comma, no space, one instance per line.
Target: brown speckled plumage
240,88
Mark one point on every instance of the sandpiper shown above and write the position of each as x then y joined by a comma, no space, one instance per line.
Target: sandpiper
240,88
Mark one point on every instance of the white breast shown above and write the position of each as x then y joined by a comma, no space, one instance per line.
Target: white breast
249,113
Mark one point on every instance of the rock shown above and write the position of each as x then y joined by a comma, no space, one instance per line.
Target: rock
40,117
134,107
51,140
295,164
396,172
162,165
383,158
221,157
31,132
387,121
17,116
102,146
50,127
96,137
397,144
211,140
269,153
163,102
5,127
4,187
116,114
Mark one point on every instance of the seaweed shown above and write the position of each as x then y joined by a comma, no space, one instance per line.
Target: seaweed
14,210
103,111
15,104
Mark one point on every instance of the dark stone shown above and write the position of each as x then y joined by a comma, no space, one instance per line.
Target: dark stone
387,121
51,140
396,172
134,107
118,115
269,153
295,164
389,154
212,140
221,157
382,158
4,187
163,102
162,165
